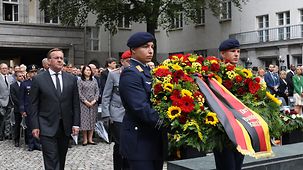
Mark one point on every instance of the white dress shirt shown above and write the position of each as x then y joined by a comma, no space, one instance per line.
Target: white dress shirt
53,76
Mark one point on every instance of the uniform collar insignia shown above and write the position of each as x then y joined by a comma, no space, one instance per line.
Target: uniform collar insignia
139,68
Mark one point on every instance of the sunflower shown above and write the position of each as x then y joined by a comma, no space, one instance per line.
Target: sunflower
176,67
192,59
218,78
173,112
211,118
273,98
185,92
247,73
168,87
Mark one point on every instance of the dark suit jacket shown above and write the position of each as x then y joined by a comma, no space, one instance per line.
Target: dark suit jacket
282,90
48,106
15,96
140,137
290,84
103,79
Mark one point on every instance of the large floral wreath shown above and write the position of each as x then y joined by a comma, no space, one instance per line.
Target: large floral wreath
180,103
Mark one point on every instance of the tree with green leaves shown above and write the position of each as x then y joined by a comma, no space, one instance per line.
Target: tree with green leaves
155,13
152,12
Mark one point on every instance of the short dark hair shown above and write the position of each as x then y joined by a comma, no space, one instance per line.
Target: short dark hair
109,60
82,73
52,50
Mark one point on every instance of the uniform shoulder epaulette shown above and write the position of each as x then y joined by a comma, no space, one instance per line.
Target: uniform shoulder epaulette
139,68
116,69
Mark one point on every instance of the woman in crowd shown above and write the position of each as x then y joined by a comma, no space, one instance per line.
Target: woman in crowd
298,90
89,94
283,89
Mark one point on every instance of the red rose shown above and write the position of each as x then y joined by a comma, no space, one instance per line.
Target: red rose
177,75
161,72
187,78
178,55
230,67
183,119
241,91
200,59
253,87
205,68
158,88
258,79
175,95
228,84
247,81
238,79
215,67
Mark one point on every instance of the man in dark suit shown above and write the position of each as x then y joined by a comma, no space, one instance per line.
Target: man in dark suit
110,64
55,110
15,95
289,81
272,80
142,140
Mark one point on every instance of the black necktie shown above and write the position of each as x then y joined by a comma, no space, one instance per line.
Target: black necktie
58,86
6,81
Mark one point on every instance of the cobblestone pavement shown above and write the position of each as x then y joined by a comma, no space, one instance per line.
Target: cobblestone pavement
90,157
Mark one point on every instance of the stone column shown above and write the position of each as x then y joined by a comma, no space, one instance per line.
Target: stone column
282,55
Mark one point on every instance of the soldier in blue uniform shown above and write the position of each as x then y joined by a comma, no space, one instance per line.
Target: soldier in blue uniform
228,158
142,140
24,101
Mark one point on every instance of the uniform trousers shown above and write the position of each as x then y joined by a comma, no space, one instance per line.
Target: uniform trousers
119,162
228,159
145,164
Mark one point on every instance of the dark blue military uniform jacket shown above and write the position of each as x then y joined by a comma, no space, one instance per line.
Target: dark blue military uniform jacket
24,101
141,136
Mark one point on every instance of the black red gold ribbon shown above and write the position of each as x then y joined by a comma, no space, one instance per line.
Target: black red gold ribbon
245,128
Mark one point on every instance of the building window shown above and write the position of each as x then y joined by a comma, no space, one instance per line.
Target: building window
93,38
201,52
10,10
284,22
263,24
175,53
201,16
301,20
177,21
226,10
124,22
48,19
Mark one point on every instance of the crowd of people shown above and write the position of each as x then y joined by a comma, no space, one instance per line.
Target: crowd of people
58,100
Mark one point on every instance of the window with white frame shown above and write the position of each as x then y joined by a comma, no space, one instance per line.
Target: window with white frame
93,39
201,16
201,52
10,10
226,10
284,22
263,24
124,21
301,20
177,21
50,20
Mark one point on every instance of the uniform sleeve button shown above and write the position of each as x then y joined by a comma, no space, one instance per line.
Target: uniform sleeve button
136,128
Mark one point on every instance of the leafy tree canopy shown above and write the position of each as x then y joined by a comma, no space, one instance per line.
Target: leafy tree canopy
152,12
